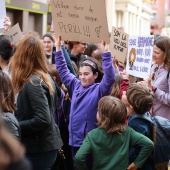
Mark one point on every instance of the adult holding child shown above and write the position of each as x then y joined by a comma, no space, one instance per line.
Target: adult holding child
87,91
36,103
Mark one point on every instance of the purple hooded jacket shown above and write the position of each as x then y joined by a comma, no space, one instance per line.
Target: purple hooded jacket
84,99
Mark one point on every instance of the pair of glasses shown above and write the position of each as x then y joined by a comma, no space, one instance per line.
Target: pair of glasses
155,70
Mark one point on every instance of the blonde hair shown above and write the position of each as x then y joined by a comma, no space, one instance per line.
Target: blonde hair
29,59
112,114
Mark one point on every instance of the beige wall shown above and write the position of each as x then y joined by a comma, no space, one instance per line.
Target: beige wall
132,15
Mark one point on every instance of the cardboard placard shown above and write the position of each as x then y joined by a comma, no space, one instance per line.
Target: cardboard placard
15,33
2,13
82,20
139,59
119,44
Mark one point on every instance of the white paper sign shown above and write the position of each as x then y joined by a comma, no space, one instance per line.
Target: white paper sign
2,13
139,57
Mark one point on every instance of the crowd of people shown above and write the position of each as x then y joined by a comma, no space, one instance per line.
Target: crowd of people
70,105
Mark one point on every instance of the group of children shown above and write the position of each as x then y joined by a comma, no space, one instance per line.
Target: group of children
105,132
113,145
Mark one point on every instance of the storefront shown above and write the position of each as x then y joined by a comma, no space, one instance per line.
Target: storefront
31,15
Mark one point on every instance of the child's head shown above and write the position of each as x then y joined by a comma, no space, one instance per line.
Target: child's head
111,114
90,72
139,98
7,98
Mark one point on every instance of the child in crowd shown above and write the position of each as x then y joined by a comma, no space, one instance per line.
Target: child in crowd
109,143
61,120
87,91
138,99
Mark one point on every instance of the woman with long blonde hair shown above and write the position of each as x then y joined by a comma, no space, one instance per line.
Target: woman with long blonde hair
36,103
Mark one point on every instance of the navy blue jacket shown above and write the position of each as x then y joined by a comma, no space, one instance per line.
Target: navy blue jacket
142,124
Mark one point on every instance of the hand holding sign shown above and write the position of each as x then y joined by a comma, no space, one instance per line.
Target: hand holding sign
58,43
7,23
104,47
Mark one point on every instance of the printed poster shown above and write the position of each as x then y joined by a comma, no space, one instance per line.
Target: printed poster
139,56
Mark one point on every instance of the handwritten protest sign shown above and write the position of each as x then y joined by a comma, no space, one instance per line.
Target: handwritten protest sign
2,13
119,44
82,20
15,33
139,57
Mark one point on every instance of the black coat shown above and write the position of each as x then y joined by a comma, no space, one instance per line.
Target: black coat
35,114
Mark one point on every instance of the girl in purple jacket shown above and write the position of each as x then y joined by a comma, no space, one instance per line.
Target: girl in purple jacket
87,91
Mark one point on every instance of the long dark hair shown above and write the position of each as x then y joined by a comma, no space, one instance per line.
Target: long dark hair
7,47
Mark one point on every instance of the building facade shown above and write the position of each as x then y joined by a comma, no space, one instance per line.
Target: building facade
30,14
133,16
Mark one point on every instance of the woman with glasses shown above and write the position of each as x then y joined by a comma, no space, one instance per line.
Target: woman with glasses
76,49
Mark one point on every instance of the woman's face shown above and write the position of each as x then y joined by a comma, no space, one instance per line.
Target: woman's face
86,76
48,44
158,55
80,47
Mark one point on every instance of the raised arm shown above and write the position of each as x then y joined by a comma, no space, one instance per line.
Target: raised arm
67,78
109,71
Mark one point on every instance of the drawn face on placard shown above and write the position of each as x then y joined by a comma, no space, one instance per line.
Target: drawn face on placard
132,57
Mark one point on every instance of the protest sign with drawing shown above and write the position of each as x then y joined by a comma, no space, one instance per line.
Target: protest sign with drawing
2,13
139,57
82,20
15,33
119,44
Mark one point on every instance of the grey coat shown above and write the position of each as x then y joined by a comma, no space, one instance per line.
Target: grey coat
11,124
